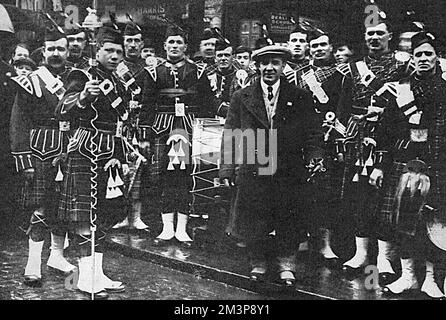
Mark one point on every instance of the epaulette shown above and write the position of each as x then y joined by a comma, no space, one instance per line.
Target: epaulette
201,67
290,74
25,83
344,69
152,71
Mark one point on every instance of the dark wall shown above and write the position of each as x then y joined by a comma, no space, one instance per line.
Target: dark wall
343,19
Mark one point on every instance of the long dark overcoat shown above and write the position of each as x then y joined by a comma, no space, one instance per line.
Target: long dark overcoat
268,199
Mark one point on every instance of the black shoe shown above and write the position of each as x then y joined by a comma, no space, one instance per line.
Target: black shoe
32,281
352,273
60,272
101,295
118,289
332,263
185,244
160,242
288,282
428,297
386,278
141,232
257,276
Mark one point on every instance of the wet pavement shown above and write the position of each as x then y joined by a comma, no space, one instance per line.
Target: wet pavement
213,269
221,260
144,280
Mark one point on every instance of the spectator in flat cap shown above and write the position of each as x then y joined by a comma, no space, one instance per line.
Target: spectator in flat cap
77,42
24,66
268,195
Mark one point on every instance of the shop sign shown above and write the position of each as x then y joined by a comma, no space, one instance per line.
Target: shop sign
280,23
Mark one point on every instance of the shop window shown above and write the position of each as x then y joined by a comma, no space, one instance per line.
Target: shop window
249,32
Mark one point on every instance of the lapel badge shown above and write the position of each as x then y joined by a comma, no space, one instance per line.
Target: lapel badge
289,104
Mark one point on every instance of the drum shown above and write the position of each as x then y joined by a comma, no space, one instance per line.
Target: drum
206,143
436,226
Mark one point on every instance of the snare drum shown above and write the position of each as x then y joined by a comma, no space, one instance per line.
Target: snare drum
206,139
206,143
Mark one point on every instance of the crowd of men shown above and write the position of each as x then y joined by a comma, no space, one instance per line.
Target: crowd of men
99,122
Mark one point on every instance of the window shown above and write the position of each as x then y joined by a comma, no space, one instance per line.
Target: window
249,32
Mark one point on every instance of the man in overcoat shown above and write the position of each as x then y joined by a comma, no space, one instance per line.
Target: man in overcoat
270,134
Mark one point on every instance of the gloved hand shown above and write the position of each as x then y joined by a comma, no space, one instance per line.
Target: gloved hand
125,169
376,178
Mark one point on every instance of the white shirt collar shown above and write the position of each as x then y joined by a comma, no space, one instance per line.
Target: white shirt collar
265,87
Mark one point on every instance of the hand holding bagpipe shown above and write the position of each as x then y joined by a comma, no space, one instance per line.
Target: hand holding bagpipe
91,91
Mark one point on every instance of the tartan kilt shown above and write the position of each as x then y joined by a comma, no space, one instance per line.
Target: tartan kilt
359,198
135,178
410,215
43,190
324,196
387,210
75,201
174,186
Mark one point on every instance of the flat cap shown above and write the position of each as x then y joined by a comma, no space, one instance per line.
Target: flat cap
271,50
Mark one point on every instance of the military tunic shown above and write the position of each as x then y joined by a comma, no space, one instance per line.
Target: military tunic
363,98
90,192
38,140
174,94
414,131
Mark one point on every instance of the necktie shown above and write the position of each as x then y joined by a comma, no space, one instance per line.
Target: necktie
270,93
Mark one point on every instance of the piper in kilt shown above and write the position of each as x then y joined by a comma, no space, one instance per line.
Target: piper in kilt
362,101
93,193
322,78
38,142
414,173
175,92
131,70
221,76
